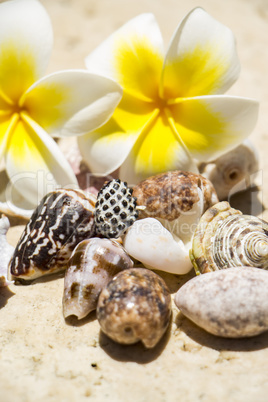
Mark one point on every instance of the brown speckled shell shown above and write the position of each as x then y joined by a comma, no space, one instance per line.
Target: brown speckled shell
169,194
135,306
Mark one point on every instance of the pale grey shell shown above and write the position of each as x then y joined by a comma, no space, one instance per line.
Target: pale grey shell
135,306
233,171
232,303
93,263
226,238
62,219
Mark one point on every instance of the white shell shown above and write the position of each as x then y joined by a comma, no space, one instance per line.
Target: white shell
232,303
6,251
93,263
153,245
231,172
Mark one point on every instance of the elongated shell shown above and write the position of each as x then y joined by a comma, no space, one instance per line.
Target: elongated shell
177,199
135,306
62,219
93,263
226,238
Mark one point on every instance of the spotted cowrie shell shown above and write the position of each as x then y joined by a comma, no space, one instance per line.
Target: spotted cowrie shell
62,219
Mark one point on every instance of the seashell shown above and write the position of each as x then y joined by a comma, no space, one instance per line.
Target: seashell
177,199
93,263
226,238
231,172
115,209
6,251
150,243
232,303
135,306
62,219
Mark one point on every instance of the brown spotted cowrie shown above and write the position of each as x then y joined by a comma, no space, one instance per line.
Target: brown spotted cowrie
93,263
135,306
62,219
177,199
231,303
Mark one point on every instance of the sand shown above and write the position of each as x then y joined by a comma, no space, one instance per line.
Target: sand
44,358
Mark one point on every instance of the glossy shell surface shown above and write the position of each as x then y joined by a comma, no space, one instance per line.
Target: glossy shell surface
62,219
170,194
135,306
93,263
150,243
177,199
226,238
232,303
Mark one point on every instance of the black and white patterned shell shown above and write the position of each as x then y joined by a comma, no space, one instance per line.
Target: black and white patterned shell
62,219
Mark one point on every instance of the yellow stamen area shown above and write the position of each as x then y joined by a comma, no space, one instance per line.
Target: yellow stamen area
157,147
198,72
24,146
17,69
138,66
7,127
199,127
45,103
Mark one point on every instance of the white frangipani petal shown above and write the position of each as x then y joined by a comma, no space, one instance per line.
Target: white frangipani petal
26,40
201,59
143,27
213,125
34,162
72,102
104,154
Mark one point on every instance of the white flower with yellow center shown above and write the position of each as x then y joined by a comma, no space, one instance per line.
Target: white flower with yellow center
32,110
171,110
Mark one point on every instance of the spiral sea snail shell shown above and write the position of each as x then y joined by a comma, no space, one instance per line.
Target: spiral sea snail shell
232,171
93,263
226,238
62,219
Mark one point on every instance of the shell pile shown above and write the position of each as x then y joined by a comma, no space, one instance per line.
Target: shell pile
170,222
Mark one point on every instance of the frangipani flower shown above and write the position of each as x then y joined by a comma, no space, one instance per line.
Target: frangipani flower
32,110
171,110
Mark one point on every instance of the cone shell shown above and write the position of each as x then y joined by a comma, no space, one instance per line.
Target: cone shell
62,219
94,262
135,306
226,238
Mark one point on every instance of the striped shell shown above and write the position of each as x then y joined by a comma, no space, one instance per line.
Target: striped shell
93,263
62,219
226,238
